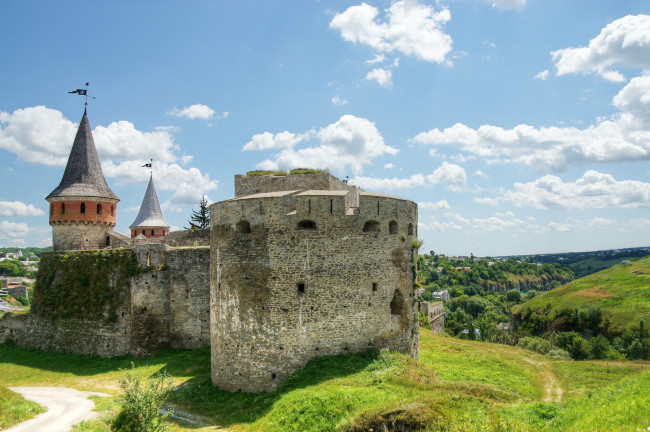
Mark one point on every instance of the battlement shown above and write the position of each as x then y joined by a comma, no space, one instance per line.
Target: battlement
256,184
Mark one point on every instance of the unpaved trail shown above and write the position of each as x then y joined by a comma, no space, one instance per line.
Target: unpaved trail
552,390
65,408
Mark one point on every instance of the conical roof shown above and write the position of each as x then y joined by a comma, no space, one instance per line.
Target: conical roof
150,215
83,176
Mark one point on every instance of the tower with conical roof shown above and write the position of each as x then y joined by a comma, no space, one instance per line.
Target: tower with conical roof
150,221
82,208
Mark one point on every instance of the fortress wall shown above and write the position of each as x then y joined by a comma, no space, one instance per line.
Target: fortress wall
189,280
67,335
75,236
150,312
436,313
249,185
357,287
187,238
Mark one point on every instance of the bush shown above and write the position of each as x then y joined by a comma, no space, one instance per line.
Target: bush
536,344
141,402
559,354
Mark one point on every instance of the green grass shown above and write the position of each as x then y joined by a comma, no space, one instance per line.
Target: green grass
15,409
593,265
457,385
622,291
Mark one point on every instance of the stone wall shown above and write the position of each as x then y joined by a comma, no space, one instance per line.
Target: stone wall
436,313
249,185
78,236
296,276
187,238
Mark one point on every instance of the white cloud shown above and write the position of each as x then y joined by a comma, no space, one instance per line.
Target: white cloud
624,41
495,224
382,76
13,233
438,205
487,201
507,4
42,135
379,58
602,222
571,224
351,141
389,166
336,100
409,27
480,173
438,226
542,75
17,208
267,140
452,176
592,190
196,111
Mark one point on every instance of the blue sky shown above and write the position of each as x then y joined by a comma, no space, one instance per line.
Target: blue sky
519,126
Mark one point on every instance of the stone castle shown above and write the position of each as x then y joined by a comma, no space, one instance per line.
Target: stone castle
293,267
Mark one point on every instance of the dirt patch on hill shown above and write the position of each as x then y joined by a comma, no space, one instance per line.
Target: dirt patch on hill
594,293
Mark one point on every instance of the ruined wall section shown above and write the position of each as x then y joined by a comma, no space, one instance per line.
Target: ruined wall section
250,185
187,238
295,276
435,312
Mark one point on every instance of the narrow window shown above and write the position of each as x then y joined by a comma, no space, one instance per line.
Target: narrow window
108,241
306,225
51,209
63,208
301,287
112,211
392,227
309,204
143,233
148,258
152,234
83,208
410,229
99,209
371,226
377,208
374,286
331,206
243,227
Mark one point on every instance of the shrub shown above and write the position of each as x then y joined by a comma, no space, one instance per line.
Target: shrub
559,354
536,344
141,402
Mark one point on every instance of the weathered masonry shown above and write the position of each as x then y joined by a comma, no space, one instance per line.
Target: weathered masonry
298,274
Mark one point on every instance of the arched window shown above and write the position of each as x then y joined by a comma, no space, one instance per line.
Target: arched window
108,241
243,227
410,229
371,226
99,209
306,225
392,227
143,233
62,208
112,211
83,208
152,234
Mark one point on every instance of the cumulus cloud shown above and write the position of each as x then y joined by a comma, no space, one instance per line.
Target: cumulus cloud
351,141
438,205
267,140
487,201
507,4
592,190
379,58
542,75
44,136
382,76
409,27
624,41
17,208
336,100
389,166
196,111
13,233
452,176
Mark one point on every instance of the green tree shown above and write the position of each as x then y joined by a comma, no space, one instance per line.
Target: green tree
200,219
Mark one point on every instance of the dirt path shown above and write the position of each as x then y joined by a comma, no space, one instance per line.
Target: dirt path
65,408
552,390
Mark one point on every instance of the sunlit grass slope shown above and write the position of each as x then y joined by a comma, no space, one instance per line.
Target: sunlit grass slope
15,409
457,385
622,291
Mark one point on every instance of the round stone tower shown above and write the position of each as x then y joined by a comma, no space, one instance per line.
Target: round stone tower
295,275
150,221
82,208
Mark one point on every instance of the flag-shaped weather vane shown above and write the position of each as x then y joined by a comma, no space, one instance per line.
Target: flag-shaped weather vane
149,165
82,92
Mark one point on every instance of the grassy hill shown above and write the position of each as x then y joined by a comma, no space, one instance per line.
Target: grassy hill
622,291
457,385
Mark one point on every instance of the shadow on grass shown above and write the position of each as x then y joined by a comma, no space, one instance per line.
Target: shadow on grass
197,395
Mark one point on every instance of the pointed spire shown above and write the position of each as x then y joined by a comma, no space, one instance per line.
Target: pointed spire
83,174
150,215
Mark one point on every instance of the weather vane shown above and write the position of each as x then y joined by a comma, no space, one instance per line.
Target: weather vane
149,165
83,92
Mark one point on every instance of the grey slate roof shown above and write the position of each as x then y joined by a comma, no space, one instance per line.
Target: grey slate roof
83,176
150,215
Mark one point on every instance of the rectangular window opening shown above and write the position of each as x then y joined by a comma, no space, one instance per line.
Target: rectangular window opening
374,286
301,287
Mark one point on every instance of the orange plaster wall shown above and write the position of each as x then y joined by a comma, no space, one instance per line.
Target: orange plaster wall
73,212
157,232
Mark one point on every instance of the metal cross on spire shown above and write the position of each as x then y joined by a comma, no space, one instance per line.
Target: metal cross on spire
83,92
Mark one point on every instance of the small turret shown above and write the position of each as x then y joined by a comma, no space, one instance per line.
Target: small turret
150,221
82,207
